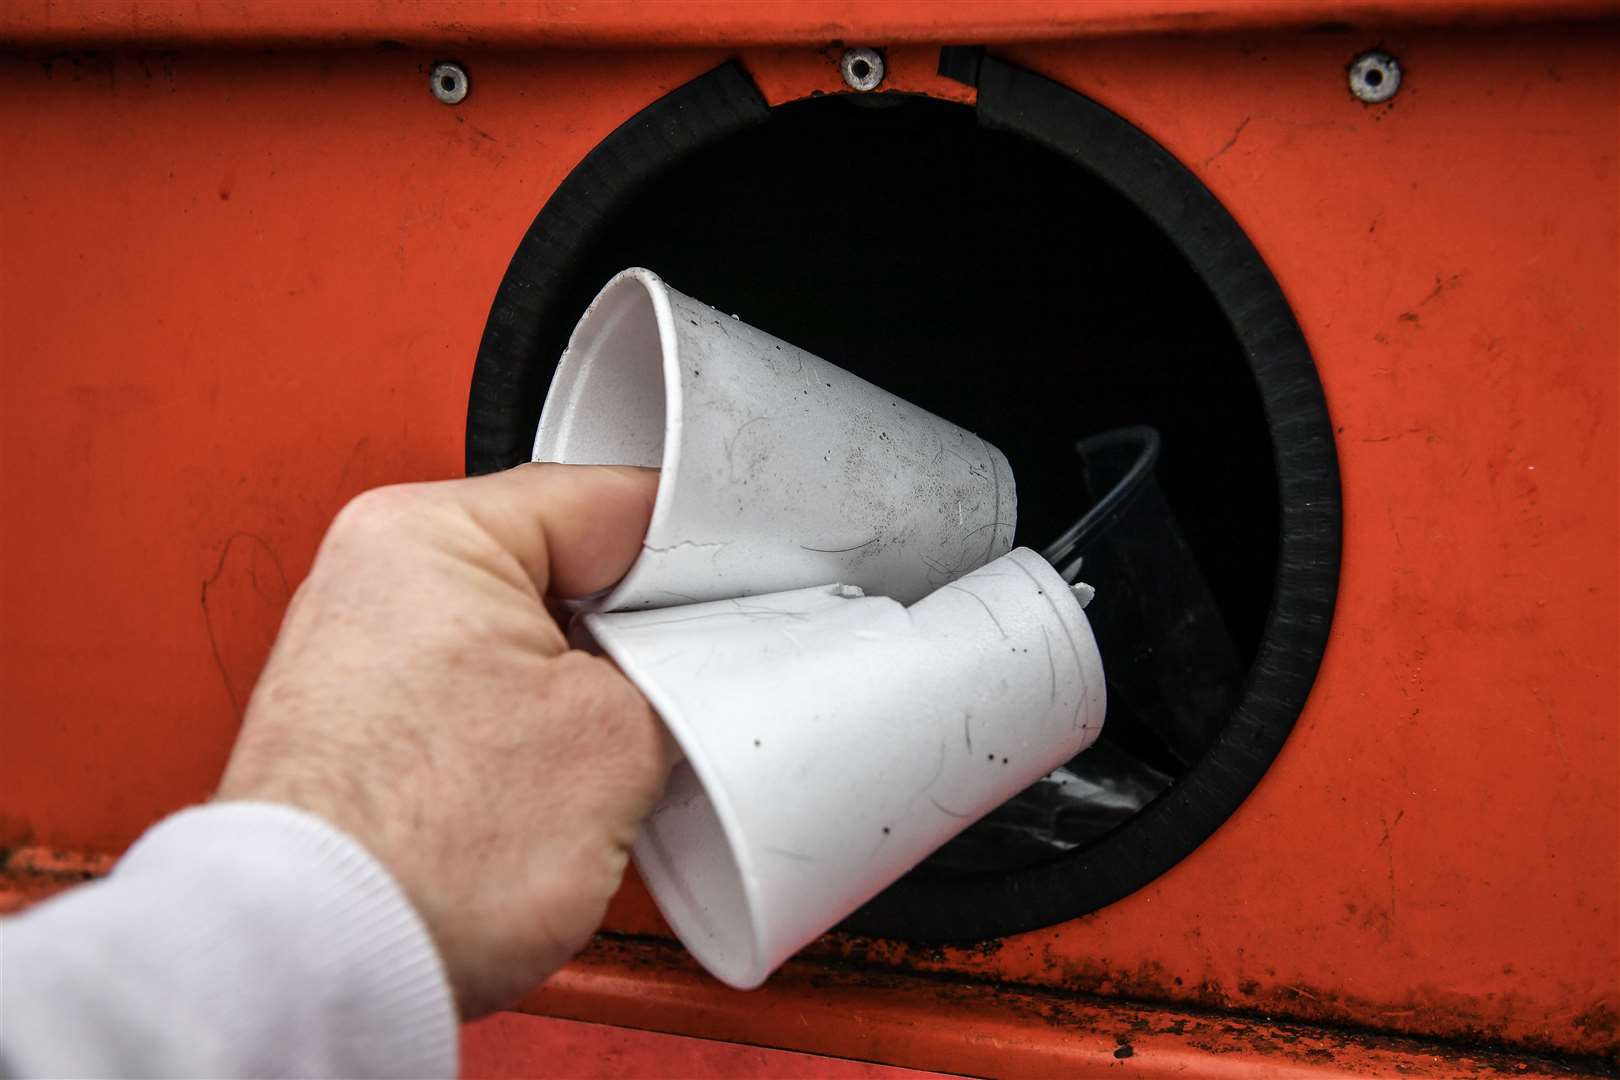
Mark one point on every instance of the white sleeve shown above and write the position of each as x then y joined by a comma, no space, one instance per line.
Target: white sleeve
235,939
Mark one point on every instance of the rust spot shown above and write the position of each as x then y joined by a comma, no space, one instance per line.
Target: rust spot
1600,1022
30,874
1425,1012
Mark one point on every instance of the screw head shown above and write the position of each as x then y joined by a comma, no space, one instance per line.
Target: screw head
1374,77
449,83
862,68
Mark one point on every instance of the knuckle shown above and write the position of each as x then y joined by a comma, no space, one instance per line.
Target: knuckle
378,511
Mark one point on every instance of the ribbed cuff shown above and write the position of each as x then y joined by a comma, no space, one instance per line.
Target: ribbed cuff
358,986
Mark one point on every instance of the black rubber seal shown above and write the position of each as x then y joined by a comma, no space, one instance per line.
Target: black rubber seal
542,295
1155,839
961,62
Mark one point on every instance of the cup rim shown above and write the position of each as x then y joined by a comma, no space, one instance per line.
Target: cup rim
656,293
757,967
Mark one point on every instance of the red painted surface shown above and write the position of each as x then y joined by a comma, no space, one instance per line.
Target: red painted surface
984,1030
512,1046
238,288
725,23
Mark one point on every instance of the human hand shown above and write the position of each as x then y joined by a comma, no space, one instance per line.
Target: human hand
420,697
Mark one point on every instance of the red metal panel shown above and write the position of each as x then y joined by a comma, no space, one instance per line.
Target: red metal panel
76,23
1438,846
238,288
986,1030
512,1046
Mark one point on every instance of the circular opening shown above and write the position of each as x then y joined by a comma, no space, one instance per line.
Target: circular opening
447,83
861,69
1032,296
1373,77
999,286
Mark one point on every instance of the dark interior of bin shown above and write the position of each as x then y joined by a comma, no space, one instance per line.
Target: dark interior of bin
992,282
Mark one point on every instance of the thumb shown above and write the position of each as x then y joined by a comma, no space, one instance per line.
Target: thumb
576,529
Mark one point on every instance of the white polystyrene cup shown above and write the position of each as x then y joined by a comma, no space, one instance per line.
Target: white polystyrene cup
832,741
779,470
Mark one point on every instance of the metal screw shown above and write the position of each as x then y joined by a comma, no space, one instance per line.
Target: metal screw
1374,77
449,83
862,68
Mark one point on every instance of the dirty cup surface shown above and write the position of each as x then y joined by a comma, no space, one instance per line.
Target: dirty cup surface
833,740
779,470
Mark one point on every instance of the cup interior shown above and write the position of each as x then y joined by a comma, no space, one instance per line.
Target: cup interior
608,404
687,855
701,892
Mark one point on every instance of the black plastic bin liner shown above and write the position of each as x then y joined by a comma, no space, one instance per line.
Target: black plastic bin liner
1171,666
